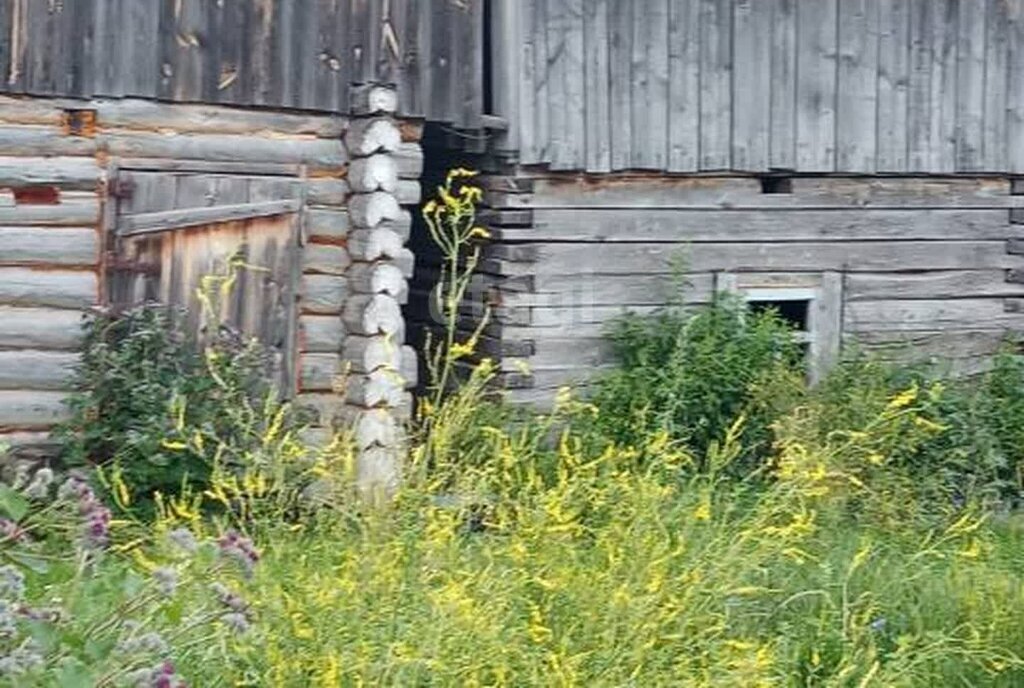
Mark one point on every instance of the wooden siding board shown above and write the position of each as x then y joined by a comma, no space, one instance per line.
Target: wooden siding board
595,73
893,84
942,130
190,41
684,85
997,85
752,81
919,94
970,84
1015,91
441,68
621,78
140,28
649,96
569,152
716,85
529,146
782,111
857,86
557,76
816,85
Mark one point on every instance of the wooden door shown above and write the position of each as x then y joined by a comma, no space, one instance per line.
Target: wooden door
223,247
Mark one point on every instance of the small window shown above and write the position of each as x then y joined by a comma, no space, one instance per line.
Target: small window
793,305
793,313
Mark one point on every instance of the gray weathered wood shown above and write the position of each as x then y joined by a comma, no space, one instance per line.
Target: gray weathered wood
716,67
327,191
857,86
59,289
620,60
970,84
946,284
132,113
565,82
326,225
930,314
148,223
24,410
997,77
40,328
684,85
43,140
782,135
825,322
817,51
1015,91
752,83
893,84
318,153
919,94
329,259
321,333
67,173
25,369
942,130
323,294
650,93
320,372
48,246
595,70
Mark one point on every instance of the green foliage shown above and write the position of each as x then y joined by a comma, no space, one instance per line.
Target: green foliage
144,392
691,374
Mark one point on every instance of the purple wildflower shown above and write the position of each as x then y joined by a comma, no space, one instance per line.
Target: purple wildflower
231,600
183,539
236,621
166,580
9,530
234,546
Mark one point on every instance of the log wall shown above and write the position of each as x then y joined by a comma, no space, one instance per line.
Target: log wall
935,262
81,181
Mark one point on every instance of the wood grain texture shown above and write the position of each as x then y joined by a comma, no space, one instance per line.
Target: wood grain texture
25,369
40,328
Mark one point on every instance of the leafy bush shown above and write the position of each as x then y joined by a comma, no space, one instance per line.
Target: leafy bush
691,374
145,397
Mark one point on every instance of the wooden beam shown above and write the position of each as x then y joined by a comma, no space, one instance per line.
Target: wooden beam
149,223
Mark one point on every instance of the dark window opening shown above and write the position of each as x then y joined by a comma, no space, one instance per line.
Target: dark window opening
488,58
793,313
776,185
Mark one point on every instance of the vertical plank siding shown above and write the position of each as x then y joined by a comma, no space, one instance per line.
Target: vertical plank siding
817,86
274,53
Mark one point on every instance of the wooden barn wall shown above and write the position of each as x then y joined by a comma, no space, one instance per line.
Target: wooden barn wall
59,253
818,86
275,53
933,263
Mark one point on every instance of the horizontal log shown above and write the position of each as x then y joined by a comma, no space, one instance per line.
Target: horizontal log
326,224
864,256
320,409
739,193
327,191
25,410
48,246
409,157
40,328
148,223
374,314
368,245
29,445
893,315
550,351
930,344
384,387
319,372
26,369
948,284
328,259
70,212
66,173
559,291
374,135
368,210
379,278
370,427
44,140
366,354
209,167
323,294
671,225
211,119
375,173
408,192
372,99
60,289
317,153
321,333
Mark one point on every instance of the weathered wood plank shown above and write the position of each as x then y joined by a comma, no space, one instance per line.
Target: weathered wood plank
23,410
994,150
58,289
148,223
752,84
970,83
48,246
945,284
894,53
607,290
189,44
943,345
320,153
684,85
43,140
321,333
782,115
323,294
25,369
919,95
1015,92
67,173
817,50
529,148
40,328
620,60
211,119
140,28
597,105
653,225
857,86
716,67
649,119
825,320
865,256
942,130
889,315
326,225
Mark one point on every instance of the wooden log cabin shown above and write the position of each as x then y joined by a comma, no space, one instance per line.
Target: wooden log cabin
858,163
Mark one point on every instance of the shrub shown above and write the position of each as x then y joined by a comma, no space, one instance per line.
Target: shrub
145,396
691,374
